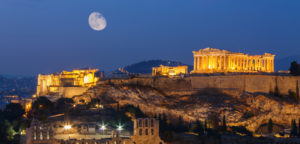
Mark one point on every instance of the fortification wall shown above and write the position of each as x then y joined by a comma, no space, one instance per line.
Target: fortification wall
248,83
69,92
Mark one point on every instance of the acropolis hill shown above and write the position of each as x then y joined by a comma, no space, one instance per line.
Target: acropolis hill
232,84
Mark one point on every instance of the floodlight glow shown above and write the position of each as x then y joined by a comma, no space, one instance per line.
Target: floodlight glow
103,127
67,127
119,128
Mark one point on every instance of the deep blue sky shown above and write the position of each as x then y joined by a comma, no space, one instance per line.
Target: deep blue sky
43,36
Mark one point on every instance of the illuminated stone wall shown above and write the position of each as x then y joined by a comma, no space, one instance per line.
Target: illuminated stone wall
52,83
211,60
249,83
169,71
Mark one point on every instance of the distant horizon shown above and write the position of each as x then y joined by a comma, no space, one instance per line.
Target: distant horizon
108,71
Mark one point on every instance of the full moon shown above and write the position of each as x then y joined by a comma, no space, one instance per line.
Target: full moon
97,21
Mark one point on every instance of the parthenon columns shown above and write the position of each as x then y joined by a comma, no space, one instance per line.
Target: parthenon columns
211,60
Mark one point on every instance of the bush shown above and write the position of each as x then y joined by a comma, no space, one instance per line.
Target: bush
295,68
248,114
241,130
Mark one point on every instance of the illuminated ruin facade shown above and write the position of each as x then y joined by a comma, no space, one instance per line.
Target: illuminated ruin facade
76,78
169,71
146,131
211,60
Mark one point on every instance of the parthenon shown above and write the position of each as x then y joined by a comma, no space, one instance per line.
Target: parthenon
211,60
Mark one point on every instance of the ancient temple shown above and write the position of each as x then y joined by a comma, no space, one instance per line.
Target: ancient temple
76,78
212,60
169,70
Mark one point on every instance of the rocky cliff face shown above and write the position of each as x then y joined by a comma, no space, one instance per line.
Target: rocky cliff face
239,107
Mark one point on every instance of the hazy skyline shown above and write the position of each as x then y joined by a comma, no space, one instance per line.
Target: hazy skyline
43,36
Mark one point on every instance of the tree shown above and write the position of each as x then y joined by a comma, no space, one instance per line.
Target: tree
297,91
199,128
270,126
241,129
213,121
63,104
295,68
167,136
224,126
276,91
299,127
13,111
41,108
180,127
293,129
205,126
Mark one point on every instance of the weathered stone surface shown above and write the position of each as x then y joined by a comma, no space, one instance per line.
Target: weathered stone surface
244,99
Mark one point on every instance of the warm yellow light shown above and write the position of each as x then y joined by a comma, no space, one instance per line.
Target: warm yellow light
172,73
67,127
103,127
88,78
23,132
27,107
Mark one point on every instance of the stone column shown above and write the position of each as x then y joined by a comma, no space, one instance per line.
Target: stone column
195,64
268,65
238,63
213,61
243,63
266,60
272,65
206,59
199,63
246,63
224,63
265,65
229,63
219,63
256,64
250,64
204,62
261,64
208,62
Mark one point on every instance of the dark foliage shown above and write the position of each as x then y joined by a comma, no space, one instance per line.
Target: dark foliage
241,129
63,105
270,126
295,68
293,129
11,123
41,108
224,126
213,121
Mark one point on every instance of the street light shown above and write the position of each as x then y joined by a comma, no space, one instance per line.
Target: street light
67,127
103,127
119,128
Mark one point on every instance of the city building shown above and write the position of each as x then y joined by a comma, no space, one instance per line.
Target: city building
212,60
169,71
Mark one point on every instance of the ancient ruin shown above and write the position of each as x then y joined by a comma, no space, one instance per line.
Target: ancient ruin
212,60
76,78
169,71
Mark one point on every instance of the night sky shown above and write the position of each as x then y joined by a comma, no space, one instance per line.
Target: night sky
45,36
